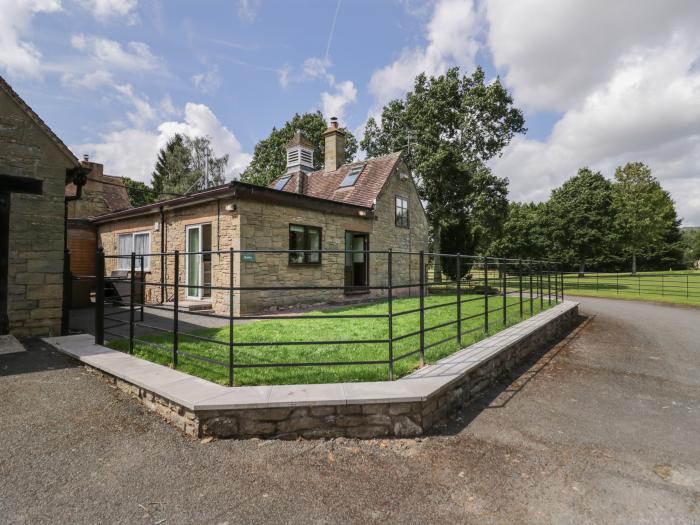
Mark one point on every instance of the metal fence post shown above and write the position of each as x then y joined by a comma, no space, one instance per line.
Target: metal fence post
142,295
529,271
100,297
459,300
390,293
556,283
539,271
132,295
230,318
486,294
520,285
421,304
549,284
504,269
176,306
562,285
662,285
687,285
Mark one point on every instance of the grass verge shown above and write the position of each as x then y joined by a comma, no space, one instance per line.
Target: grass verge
670,287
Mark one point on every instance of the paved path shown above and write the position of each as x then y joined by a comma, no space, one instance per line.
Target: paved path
601,429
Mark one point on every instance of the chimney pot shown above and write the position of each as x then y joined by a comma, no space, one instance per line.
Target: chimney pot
86,157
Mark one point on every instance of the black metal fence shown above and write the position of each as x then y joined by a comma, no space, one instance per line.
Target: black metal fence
509,290
679,284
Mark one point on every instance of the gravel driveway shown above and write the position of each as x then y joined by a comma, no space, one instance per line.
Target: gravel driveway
602,428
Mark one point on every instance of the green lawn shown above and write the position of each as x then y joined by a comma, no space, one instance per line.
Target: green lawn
681,287
320,329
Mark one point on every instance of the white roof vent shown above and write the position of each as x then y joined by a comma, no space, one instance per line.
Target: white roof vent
300,154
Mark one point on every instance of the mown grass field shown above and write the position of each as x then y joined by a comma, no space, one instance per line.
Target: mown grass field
681,287
313,327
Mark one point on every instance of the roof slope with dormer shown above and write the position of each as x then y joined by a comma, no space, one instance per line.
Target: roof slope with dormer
327,185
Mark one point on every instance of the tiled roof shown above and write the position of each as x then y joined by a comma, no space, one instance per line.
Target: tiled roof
37,120
363,193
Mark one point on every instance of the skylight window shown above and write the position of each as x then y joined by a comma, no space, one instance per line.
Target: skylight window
352,176
280,184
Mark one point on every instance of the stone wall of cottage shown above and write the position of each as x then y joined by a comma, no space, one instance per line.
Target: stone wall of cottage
266,226
225,229
386,235
35,273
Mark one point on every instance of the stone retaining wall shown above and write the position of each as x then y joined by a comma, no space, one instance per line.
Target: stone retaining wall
362,420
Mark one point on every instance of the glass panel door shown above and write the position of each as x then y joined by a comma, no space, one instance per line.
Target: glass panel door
356,267
194,262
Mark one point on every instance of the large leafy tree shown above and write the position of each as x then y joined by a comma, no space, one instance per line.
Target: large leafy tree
270,154
450,126
187,164
580,219
691,245
644,211
524,234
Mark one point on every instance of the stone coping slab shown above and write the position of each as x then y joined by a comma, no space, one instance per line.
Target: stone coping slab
199,394
10,345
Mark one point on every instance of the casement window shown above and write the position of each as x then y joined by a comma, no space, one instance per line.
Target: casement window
304,238
401,212
139,243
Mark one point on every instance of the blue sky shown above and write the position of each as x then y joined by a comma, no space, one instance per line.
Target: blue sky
600,84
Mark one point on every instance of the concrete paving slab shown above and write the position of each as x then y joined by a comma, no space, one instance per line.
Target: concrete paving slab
239,397
10,345
306,395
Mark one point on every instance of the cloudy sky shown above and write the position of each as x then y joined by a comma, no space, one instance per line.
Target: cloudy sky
601,82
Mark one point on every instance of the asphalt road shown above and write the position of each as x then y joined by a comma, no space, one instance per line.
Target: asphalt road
603,428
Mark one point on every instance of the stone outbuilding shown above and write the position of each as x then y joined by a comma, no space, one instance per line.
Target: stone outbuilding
366,206
35,166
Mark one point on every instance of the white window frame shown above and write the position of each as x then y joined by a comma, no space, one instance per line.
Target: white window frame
198,291
124,259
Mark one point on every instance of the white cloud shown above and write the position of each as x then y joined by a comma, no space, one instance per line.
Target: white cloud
248,9
334,103
648,110
555,53
17,56
90,80
451,41
134,56
104,10
132,152
207,82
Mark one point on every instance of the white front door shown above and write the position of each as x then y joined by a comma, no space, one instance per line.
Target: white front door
194,261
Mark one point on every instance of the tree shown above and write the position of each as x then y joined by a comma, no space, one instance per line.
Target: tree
270,154
644,212
580,218
449,126
691,244
186,165
138,192
524,234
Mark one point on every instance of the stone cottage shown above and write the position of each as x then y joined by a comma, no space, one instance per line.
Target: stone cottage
35,166
366,206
